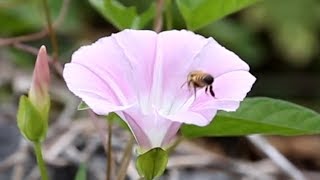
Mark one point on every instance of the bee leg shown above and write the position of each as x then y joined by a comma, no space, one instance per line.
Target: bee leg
184,84
211,91
195,92
206,90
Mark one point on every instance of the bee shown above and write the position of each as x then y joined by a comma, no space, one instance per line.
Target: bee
200,79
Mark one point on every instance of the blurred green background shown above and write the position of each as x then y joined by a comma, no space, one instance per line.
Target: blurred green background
279,39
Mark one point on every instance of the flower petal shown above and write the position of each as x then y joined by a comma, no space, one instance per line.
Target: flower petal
205,101
200,118
150,130
109,69
176,51
229,90
139,47
217,60
233,85
92,89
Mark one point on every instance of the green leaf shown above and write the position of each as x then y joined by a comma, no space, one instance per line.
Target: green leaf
31,123
200,13
124,17
82,106
152,163
260,116
81,173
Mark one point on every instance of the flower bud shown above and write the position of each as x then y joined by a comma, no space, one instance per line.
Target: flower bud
39,90
32,116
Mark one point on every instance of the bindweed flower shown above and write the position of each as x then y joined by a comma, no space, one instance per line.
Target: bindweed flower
33,110
140,75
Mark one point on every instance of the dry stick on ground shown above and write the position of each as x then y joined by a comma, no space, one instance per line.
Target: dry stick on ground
262,144
17,159
202,157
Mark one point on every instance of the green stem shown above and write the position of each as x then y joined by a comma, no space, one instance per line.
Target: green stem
41,165
52,34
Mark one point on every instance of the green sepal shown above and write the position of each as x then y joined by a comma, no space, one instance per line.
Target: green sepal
32,123
152,163
116,119
82,106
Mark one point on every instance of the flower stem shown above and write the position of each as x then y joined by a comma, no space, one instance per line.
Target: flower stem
157,26
52,34
40,162
125,160
109,154
168,15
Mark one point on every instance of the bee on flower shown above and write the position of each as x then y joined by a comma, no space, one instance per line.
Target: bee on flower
138,75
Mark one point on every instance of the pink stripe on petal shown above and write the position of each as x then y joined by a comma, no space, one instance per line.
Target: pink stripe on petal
139,48
91,89
137,131
175,54
107,61
171,133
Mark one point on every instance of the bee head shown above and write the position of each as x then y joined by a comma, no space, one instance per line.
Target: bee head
208,79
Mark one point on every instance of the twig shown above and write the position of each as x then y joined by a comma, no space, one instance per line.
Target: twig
109,155
40,34
21,157
52,33
63,12
26,48
100,128
17,157
63,142
262,144
157,26
125,159
32,50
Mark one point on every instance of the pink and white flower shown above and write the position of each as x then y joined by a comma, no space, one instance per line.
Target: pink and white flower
138,74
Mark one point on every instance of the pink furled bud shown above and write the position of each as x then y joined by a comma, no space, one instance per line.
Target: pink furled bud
38,94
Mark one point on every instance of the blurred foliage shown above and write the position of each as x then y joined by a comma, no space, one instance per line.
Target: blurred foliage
202,12
270,35
293,26
81,173
260,115
126,17
19,17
